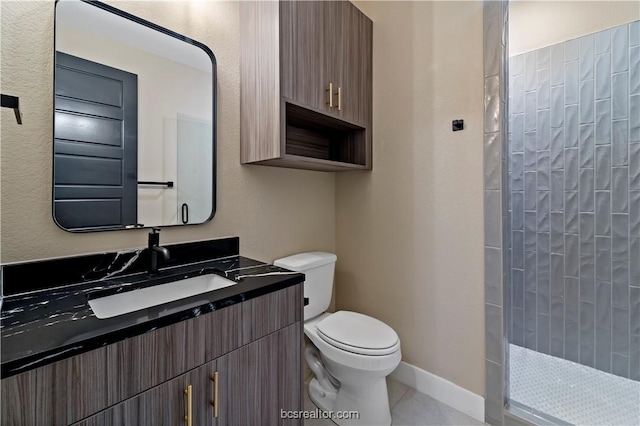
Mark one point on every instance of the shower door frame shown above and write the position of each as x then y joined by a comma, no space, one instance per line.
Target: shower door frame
497,220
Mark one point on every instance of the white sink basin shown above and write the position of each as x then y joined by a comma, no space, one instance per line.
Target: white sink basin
135,300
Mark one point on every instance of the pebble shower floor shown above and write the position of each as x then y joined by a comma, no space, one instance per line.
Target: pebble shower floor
572,392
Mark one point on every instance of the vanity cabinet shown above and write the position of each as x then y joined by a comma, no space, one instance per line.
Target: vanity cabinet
164,405
306,85
249,385
252,378
254,346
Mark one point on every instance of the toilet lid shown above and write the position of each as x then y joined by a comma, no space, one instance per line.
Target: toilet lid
358,333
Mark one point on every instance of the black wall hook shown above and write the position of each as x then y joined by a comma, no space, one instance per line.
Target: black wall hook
12,102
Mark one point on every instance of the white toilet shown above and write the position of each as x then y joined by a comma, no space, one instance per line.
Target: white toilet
356,352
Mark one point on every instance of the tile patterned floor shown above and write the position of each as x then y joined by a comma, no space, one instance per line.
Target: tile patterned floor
572,392
408,408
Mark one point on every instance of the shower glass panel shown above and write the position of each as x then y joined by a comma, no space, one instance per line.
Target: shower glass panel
574,160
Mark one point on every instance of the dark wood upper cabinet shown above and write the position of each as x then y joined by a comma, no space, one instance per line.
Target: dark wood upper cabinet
306,84
332,53
304,72
356,65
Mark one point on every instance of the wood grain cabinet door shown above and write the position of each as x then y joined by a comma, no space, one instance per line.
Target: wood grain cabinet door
333,57
260,379
357,77
164,405
56,394
302,58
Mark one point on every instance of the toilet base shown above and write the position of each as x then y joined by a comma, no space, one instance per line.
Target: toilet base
370,402
324,400
369,399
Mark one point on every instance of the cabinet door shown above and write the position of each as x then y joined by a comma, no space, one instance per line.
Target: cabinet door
56,394
333,44
357,77
302,43
164,405
259,380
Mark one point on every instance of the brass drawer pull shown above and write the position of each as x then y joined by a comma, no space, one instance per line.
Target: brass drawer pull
214,403
330,91
188,418
339,93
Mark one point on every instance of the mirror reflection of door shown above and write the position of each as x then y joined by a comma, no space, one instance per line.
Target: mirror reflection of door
95,144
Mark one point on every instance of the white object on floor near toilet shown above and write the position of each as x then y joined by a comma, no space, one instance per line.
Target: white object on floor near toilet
356,352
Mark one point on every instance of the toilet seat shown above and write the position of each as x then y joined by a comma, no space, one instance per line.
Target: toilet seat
358,333
347,358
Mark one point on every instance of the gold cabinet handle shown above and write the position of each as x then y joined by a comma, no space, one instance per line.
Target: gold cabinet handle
339,93
330,91
214,403
188,418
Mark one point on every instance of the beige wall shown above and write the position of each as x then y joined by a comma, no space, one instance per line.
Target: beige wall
274,211
409,235
536,24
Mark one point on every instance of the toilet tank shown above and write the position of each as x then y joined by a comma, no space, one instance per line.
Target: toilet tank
318,268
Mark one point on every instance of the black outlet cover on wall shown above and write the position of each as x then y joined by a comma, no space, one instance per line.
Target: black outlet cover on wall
457,125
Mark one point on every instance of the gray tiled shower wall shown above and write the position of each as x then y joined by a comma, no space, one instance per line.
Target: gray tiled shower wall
575,200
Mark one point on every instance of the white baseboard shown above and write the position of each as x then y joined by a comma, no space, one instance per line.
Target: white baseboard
441,389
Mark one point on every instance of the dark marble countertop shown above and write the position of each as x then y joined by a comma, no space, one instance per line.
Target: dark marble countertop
40,327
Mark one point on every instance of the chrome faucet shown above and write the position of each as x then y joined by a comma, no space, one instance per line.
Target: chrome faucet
154,249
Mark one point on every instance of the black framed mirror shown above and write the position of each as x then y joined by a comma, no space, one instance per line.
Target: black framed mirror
134,122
